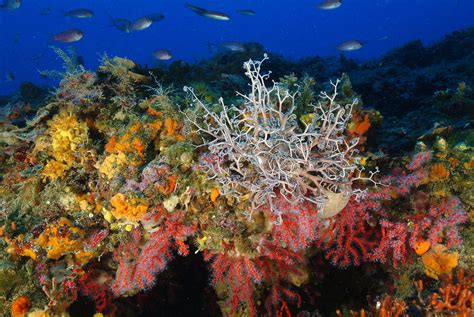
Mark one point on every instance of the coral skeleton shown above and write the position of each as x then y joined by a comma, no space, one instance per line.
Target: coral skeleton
259,149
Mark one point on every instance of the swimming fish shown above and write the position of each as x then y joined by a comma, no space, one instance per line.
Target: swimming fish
79,13
351,45
10,4
163,55
234,46
330,4
215,15
9,76
247,12
123,25
141,24
208,14
69,36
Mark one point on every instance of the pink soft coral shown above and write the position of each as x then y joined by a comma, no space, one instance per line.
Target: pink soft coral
141,259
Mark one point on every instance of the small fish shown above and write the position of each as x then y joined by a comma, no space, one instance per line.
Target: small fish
123,25
79,13
69,36
215,15
10,4
208,14
234,46
352,45
330,4
9,76
247,12
155,17
141,24
163,55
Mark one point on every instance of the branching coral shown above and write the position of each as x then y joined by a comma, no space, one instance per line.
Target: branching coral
258,147
140,261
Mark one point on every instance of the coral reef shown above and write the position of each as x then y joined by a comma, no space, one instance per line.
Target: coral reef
116,177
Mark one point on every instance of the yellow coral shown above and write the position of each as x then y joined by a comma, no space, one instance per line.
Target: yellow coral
422,246
62,139
66,133
214,194
128,209
438,261
469,165
60,238
112,164
53,170
83,257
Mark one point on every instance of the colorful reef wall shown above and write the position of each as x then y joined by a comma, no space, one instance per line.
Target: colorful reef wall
115,174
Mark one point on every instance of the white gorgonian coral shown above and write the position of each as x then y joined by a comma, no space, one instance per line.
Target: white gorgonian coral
259,150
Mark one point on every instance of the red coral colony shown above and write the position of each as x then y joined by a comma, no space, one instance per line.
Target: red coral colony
110,182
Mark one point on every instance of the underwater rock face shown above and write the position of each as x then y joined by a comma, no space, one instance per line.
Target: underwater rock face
112,182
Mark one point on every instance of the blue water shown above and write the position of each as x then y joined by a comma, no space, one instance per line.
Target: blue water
293,28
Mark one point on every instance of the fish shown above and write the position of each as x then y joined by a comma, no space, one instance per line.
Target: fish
351,45
10,4
141,24
79,13
330,4
123,25
163,55
215,15
155,17
69,36
9,76
208,14
234,46
247,12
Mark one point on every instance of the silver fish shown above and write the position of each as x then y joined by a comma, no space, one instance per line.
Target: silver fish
247,12
69,36
215,15
79,13
234,46
163,55
352,45
330,4
208,14
141,24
